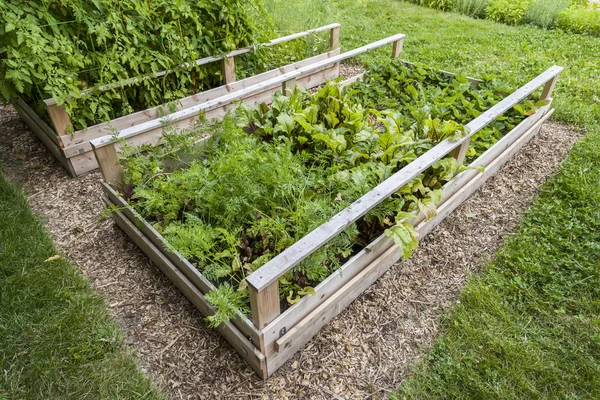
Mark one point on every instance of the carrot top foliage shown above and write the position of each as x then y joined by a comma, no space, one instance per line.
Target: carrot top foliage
269,175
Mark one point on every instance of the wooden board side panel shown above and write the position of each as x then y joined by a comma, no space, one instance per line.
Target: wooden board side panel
37,127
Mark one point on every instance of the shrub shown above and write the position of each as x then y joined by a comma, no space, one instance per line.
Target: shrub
544,13
579,20
58,48
444,5
472,8
508,11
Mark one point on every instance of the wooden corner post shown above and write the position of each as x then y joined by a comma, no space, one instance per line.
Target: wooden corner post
334,38
288,86
59,117
264,304
549,88
460,153
397,48
228,66
108,161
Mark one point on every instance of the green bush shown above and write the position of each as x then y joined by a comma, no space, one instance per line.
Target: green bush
472,8
579,20
444,5
507,11
544,13
58,48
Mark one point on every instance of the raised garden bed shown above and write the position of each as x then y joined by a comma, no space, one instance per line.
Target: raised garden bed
73,150
274,334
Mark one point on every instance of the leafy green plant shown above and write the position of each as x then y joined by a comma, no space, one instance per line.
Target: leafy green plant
544,13
472,8
269,175
444,5
578,19
62,48
507,11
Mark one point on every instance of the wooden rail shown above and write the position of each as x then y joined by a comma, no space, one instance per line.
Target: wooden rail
263,282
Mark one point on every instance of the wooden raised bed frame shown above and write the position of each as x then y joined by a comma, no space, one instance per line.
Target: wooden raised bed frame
270,337
74,151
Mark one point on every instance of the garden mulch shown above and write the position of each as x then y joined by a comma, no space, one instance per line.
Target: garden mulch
365,352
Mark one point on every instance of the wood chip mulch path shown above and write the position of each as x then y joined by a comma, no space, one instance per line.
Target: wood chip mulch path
365,352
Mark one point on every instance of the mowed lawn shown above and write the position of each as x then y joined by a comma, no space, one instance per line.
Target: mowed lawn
57,340
529,325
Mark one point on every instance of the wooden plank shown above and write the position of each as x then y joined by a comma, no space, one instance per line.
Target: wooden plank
397,48
60,118
294,254
265,305
39,121
289,86
461,152
78,143
108,161
304,330
203,61
228,98
249,353
191,273
548,89
350,81
43,137
334,37
228,68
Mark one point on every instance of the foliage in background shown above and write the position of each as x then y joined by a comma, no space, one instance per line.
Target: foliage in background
57,339
254,189
472,8
544,13
510,12
59,48
580,20
444,5
570,15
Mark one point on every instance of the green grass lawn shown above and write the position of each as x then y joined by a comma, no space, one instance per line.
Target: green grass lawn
529,325
57,340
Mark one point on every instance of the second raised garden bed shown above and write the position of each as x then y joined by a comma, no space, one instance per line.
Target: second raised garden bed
271,336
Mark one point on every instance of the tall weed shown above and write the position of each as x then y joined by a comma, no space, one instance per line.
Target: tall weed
544,13
472,8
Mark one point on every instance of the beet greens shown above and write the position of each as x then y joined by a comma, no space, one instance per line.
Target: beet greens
268,175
